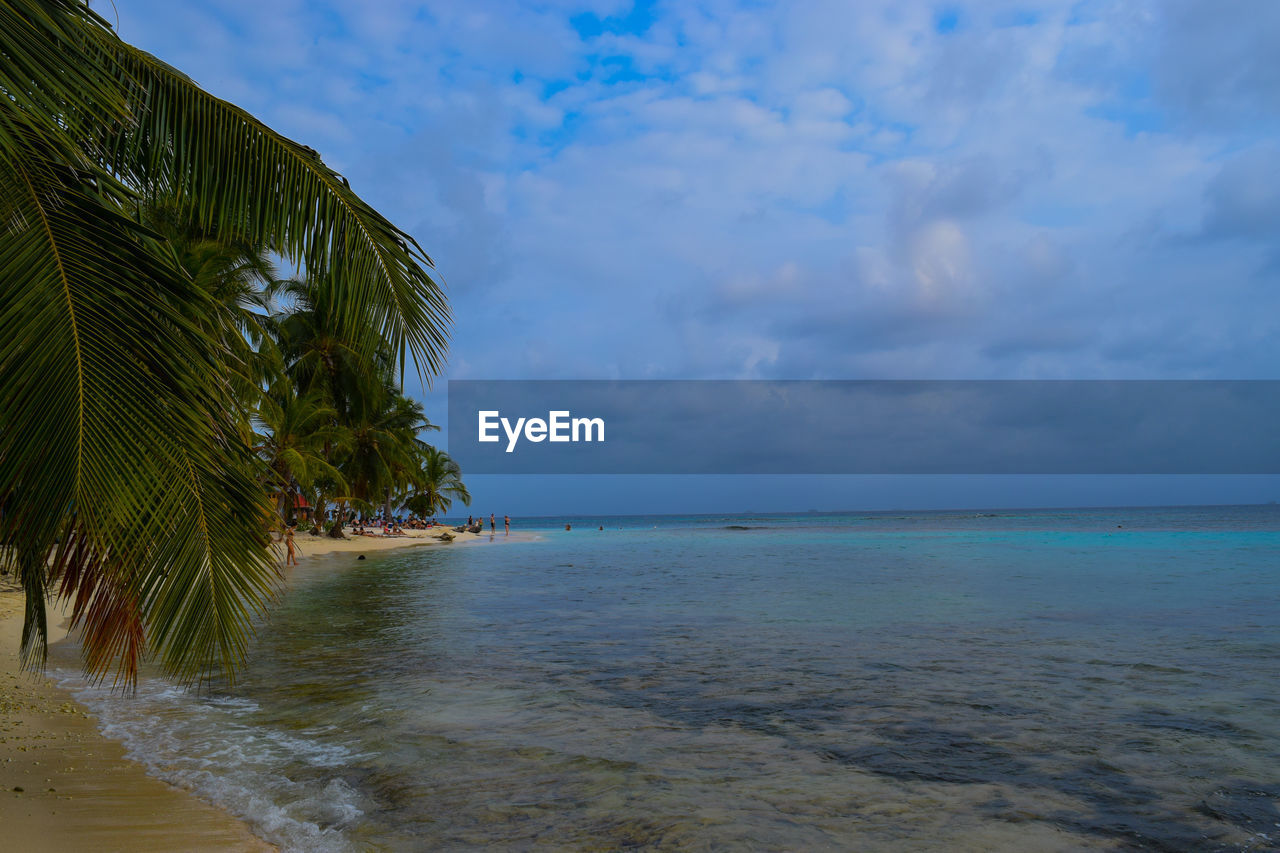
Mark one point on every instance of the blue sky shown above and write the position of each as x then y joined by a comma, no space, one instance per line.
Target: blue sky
795,190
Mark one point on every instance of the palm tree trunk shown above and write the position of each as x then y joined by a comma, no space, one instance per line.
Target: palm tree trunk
386,506
317,515
336,531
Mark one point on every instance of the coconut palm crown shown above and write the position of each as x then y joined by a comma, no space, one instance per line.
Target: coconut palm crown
126,483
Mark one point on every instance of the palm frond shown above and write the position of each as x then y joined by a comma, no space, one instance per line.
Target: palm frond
53,81
110,397
188,142
124,440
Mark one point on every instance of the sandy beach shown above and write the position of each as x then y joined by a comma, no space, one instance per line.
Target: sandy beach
311,547
66,787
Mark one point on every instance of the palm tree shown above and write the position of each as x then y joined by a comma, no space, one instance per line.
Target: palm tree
294,429
124,474
324,354
240,278
438,482
383,446
321,348
406,467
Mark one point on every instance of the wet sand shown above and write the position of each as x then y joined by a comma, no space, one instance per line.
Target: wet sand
66,787
310,546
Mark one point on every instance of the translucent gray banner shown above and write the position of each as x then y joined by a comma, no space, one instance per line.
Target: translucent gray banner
865,427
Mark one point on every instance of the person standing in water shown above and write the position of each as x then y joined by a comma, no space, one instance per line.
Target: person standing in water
292,558
493,525
506,520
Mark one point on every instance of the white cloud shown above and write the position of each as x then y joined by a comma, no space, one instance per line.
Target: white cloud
799,188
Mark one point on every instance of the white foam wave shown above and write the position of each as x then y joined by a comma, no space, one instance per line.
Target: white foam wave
274,780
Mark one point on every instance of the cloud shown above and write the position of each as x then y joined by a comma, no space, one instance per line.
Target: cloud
1047,188
1216,65
1243,198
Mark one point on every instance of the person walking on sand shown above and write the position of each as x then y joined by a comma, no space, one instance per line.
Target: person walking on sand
493,525
292,558
506,520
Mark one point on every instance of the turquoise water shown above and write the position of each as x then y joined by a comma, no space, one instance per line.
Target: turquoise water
1062,680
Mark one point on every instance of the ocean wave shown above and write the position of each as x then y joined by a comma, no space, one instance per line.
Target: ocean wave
275,781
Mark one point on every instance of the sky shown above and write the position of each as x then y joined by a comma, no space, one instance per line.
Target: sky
797,190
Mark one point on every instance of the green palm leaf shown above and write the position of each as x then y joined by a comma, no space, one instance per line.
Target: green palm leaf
115,431
436,483
187,142
53,81
122,454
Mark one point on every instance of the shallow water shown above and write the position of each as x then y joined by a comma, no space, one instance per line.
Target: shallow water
1042,680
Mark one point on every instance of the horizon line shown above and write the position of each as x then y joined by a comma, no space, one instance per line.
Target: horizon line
890,510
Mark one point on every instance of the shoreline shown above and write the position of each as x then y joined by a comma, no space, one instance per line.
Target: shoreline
65,786
310,546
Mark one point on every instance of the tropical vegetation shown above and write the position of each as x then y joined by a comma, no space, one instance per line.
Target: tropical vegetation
163,396
438,485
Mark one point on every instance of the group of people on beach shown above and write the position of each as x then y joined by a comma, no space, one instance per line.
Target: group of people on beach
388,528
398,523
377,526
396,526
476,525
391,525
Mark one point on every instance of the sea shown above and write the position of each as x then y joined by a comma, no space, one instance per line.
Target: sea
1086,679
